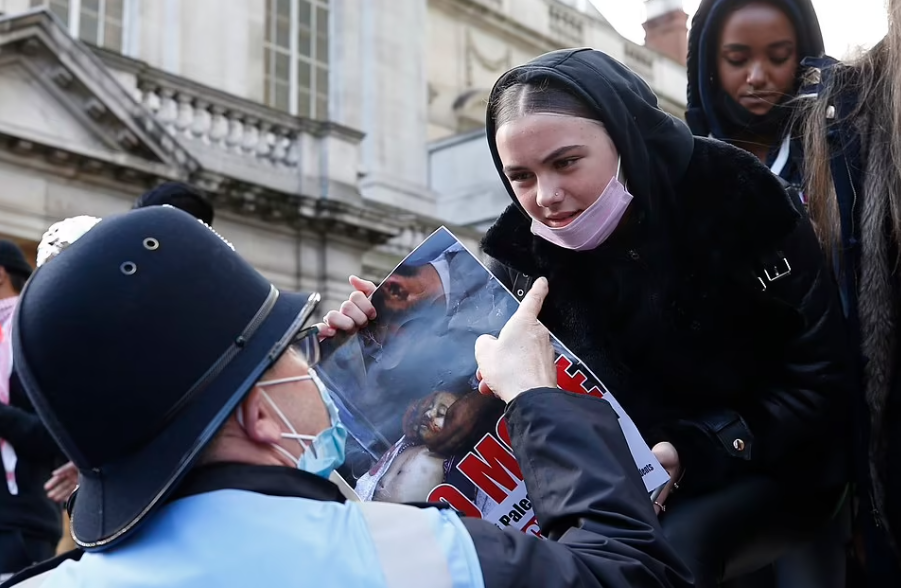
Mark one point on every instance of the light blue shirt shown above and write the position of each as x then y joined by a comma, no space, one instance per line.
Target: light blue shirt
245,539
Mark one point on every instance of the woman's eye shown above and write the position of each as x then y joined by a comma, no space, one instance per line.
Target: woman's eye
520,177
736,62
564,163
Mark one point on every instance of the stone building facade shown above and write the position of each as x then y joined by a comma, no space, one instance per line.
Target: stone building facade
332,135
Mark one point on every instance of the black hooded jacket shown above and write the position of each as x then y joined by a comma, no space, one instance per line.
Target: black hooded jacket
671,311
702,115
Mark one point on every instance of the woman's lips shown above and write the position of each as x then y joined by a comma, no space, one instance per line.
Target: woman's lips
558,221
756,101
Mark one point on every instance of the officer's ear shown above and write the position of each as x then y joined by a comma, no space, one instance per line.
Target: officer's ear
258,419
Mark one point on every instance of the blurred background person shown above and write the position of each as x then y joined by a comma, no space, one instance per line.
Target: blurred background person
853,159
29,520
181,196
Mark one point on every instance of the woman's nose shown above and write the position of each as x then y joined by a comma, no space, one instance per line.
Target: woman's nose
549,196
756,75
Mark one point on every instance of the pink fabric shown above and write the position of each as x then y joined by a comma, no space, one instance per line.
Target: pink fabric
594,225
7,452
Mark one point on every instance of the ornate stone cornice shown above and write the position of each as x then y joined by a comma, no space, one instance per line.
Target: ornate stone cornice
39,36
489,14
482,15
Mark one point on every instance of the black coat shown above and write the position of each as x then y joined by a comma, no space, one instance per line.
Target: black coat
739,378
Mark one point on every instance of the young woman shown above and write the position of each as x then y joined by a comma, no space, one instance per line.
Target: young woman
682,273
853,159
744,71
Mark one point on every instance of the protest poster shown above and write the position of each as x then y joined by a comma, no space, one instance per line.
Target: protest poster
406,390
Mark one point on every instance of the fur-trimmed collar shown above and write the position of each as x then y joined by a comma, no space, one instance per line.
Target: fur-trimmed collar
727,203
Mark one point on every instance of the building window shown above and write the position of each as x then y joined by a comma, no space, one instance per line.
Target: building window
296,57
99,22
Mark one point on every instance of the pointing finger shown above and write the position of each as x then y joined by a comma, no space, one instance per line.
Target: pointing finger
531,303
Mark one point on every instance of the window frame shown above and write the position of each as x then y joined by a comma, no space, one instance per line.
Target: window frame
296,59
130,11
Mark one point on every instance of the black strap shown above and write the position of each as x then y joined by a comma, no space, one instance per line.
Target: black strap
517,282
731,430
521,284
771,268
40,568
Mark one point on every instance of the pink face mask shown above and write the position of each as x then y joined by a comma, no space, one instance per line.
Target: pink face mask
595,224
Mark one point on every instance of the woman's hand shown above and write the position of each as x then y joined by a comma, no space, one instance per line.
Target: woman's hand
62,483
668,457
521,357
353,314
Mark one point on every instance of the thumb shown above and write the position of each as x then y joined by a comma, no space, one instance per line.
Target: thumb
361,285
532,302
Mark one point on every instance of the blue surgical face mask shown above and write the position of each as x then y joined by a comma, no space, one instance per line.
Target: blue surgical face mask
320,454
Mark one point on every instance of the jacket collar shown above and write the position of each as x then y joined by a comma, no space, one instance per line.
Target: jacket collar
268,480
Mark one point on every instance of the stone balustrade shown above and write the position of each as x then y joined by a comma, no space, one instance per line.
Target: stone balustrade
198,117
240,137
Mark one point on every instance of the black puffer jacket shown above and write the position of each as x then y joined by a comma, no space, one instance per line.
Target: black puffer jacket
671,312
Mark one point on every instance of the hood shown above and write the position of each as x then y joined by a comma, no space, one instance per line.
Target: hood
701,67
655,147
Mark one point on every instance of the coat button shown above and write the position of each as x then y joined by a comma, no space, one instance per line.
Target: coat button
739,445
634,255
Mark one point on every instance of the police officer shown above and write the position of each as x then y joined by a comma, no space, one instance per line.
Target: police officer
182,385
